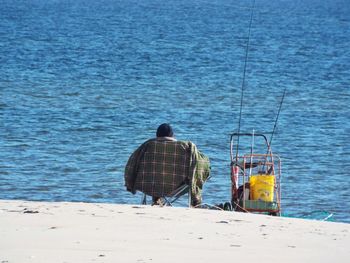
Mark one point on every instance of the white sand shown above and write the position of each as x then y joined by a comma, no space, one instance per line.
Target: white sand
82,232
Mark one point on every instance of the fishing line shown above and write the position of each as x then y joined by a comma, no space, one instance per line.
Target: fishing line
244,73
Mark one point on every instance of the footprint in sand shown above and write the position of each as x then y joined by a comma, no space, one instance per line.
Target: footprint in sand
235,245
27,211
222,222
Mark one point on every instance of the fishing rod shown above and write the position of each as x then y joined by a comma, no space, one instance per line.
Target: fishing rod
234,167
278,114
243,85
274,127
244,74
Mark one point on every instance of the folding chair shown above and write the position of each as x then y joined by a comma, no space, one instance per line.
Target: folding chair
173,196
182,190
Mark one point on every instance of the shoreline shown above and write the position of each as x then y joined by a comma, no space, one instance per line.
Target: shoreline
97,232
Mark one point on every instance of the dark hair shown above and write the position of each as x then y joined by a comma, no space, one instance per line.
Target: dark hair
165,130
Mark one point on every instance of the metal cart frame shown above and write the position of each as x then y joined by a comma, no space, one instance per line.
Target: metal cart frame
246,165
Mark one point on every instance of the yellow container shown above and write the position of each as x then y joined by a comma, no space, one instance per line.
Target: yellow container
262,187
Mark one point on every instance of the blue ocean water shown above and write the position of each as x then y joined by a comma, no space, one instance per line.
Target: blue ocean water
83,83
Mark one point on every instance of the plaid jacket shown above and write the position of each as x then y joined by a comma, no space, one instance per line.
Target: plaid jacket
161,165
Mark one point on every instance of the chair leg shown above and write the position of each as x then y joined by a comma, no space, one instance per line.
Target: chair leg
167,202
144,199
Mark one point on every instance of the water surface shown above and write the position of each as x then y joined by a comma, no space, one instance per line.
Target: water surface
83,83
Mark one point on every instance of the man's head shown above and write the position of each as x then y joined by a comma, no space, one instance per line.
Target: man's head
165,130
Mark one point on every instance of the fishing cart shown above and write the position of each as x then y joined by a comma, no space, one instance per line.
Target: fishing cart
255,175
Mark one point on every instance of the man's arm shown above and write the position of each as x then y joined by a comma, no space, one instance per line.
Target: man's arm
132,166
201,174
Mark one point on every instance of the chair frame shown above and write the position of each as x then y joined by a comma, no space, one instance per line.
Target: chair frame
173,196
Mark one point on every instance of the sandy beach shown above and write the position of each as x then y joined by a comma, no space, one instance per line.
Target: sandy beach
88,232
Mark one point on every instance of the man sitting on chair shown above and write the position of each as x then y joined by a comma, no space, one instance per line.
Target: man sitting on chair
161,165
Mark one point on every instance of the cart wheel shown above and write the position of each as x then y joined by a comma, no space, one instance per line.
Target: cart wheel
227,206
